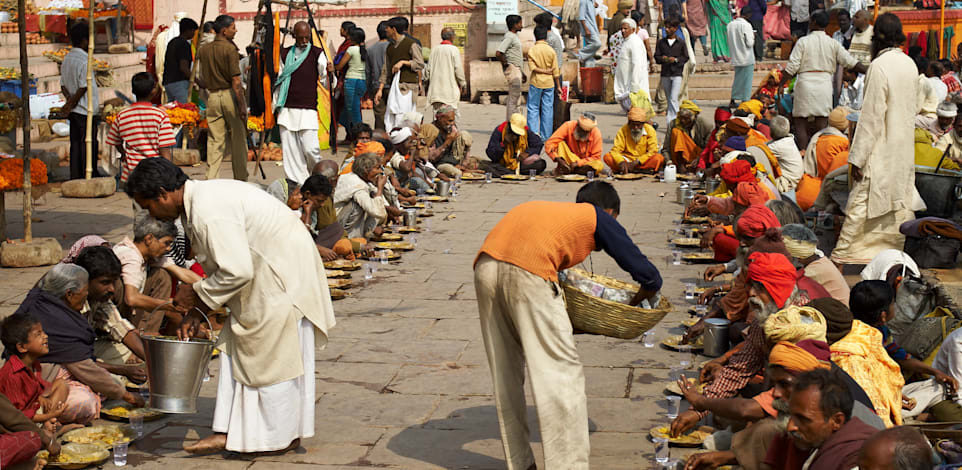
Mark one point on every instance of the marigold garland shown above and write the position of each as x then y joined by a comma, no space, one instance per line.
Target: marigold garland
11,173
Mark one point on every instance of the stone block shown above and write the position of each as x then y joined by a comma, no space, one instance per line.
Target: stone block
38,252
92,188
186,157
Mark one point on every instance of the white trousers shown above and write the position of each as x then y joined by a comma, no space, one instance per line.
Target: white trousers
523,320
263,419
301,153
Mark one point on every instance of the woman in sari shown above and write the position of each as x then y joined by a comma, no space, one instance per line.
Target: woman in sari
718,18
698,23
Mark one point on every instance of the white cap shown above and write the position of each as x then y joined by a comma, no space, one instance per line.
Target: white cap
401,135
947,109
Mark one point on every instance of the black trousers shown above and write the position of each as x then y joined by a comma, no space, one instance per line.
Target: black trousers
78,145
758,26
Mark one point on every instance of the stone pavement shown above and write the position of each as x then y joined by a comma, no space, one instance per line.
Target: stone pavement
403,382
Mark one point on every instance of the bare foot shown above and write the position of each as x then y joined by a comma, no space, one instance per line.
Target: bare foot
212,444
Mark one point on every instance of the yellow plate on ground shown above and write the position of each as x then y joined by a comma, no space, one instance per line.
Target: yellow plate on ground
409,229
629,176
471,177
391,237
404,246
692,242
426,213
571,178
75,455
105,436
413,206
673,389
689,322
696,220
694,438
123,412
343,265
336,274
514,177
699,257
339,283
391,255
674,343
434,199
338,294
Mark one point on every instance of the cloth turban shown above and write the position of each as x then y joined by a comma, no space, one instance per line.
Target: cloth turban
798,248
738,126
838,118
722,115
630,22
794,324
735,143
756,220
369,147
947,109
637,114
738,171
86,242
752,106
586,123
732,156
749,194
797,358
401,135
777,274
690,105
838,318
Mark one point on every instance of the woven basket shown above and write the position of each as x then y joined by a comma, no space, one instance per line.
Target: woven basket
604,317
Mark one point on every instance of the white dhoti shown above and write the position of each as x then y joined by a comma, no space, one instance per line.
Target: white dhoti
812,95
862,237
299,142
263,419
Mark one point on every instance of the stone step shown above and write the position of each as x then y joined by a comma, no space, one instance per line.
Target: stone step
11,51
42,67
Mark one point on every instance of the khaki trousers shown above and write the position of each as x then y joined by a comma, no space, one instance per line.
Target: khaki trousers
523,320
513,75
222,118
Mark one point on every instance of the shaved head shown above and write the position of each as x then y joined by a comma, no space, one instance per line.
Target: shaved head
327,168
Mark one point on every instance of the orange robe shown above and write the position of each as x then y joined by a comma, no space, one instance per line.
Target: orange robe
831,153
684,150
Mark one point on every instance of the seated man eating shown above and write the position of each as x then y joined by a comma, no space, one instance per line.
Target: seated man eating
636,146
513,144
576,146
446,146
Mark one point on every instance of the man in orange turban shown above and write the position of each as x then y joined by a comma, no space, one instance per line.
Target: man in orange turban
756,220
738,171
775,274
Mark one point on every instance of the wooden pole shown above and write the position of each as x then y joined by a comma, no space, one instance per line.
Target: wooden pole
942,44
411,28
25,108
193,65
89,139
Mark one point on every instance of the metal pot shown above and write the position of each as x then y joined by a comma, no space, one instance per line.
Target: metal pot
683,192
410,217
940,190
716,336
443,188
176,371
711,184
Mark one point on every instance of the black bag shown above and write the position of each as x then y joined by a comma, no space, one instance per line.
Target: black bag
933,251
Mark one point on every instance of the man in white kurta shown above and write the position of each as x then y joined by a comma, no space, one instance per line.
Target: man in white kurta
445,72
814,60
881,161
631,75
297,111
262,264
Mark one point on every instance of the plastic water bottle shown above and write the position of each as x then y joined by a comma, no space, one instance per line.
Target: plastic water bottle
671,174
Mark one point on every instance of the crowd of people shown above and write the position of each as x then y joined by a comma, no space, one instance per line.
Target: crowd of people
817,377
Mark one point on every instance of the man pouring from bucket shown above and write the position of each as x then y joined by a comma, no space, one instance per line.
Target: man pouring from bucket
276,293
524,319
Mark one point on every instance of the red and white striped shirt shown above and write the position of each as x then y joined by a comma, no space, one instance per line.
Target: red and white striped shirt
143,129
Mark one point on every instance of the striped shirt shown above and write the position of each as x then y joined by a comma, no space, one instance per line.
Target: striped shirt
143,129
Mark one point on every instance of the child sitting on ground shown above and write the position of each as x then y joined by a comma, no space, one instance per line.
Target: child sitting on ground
25,342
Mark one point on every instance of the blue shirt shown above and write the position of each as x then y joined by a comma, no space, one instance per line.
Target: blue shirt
586,13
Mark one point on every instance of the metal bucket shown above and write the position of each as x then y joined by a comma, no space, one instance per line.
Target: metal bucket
410,217
683,193
938,190
443,188
716,336
176,371
711,184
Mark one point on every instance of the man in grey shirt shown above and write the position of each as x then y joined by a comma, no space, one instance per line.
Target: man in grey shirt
512,60
375,61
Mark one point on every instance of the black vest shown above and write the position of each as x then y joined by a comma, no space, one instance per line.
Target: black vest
302,93
397,54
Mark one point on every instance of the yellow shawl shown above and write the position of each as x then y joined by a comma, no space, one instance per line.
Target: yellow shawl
863,356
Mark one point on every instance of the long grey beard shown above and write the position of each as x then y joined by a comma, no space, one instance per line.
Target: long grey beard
637,135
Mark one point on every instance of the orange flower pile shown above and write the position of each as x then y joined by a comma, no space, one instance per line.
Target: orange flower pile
180,116
255,123
11,173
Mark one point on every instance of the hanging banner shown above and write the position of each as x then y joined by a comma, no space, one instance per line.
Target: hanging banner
498,9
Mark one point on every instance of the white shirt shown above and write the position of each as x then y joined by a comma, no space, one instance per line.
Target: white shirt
949,357
631,74
73,76
941,89
800,11
741,40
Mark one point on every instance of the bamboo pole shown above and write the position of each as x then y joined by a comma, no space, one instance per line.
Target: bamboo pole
194,65
89,139
25,108
942,44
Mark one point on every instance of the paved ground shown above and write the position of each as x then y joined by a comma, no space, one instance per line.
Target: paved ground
404,382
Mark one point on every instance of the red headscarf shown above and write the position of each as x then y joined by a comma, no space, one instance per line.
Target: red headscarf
738,171
722,115
756,220
775,272
750,194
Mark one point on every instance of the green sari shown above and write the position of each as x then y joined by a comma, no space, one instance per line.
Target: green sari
718,19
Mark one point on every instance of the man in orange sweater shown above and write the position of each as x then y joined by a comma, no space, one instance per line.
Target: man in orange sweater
524,320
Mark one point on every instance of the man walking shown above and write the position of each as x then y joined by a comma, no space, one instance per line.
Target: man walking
741,40
542,62
445,72
177,62
511,58
589,33
404,61
226,106
524,321
376,55
295,102
73,84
